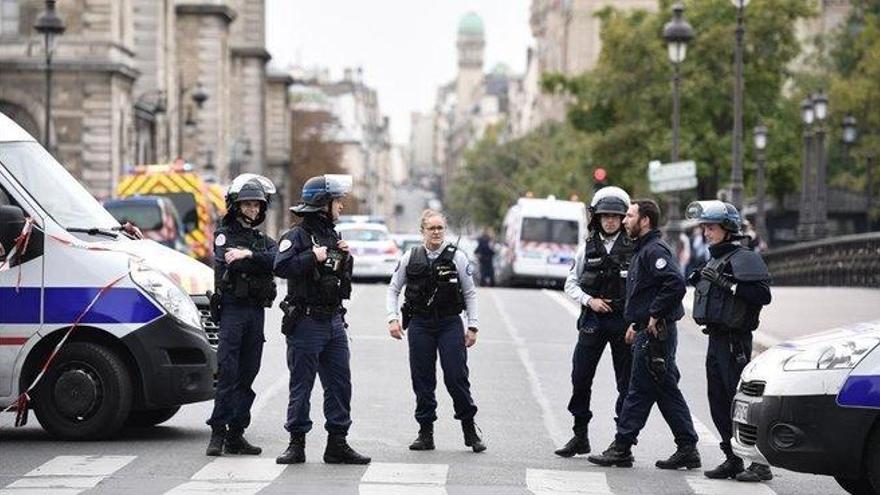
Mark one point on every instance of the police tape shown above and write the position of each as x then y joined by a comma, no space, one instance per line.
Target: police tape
21,403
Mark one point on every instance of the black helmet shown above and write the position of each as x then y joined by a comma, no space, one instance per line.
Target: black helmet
724,214
318,192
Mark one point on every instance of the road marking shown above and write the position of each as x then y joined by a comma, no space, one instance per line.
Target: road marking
240,469
281,383
707,436
566,303
704,486
549,482
383,478
214,487
400,490
550,424
68,475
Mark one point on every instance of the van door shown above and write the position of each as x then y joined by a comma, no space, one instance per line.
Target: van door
21,291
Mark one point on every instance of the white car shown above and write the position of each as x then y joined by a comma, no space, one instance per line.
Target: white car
813,405
375,252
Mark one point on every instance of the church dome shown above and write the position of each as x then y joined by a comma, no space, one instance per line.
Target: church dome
471,24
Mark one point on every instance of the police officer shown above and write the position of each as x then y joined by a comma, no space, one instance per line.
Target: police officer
244,285
597,281
731,289
655,288
317,265
439,287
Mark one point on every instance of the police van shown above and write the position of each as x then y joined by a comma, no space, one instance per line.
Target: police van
97,329
813,405
541,238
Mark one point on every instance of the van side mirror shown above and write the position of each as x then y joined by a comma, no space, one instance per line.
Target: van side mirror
11,225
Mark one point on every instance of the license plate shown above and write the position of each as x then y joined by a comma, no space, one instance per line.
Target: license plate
741,412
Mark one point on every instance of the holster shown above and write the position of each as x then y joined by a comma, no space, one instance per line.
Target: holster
656,355
405,315
215,306
292,315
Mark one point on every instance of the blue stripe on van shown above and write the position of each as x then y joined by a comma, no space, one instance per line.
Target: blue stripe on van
860,391
64,304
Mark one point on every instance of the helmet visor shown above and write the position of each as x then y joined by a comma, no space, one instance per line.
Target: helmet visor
338,185
713,211
265,183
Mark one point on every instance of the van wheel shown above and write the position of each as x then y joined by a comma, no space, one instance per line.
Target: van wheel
86,394
151,417
858,486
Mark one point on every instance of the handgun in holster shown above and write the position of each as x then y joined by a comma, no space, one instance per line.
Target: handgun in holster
406,315
656,354
215,305
292,315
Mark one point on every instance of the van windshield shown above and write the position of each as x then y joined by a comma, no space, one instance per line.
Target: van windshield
53,188
550,230
146,216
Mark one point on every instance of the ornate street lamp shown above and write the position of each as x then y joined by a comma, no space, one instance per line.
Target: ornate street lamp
760,135
805,215
820,103
850,135
736,172
50,25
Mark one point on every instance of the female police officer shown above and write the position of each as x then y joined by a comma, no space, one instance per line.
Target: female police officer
438,288
317,266
243,258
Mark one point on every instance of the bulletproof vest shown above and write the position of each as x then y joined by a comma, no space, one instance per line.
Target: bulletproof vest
247,289
720,308
604,273
327,285
433,288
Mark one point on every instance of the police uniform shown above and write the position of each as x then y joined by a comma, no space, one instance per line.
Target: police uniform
728,301
243,289
655,288
317,342
438,288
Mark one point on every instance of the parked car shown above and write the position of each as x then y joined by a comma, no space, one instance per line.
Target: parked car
407,241
813,405
375,252
156,216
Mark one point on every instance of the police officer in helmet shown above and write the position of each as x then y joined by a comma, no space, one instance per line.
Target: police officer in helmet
244,285
731,288
439,287
655,289
597,281
317,265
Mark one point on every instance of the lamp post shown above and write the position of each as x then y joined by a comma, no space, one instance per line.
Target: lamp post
677,33
850,135
50,26
736,172
760,134
805,215
820,104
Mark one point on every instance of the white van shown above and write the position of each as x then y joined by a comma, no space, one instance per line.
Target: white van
813,405
541,237
138,353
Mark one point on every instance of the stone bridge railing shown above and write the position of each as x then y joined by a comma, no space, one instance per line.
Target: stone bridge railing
846,261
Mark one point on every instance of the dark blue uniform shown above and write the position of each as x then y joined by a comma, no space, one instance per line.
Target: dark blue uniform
655,287
317,343
245,288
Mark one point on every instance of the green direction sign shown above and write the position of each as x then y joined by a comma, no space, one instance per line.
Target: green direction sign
678,176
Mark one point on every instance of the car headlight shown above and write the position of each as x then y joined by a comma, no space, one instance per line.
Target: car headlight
168,294
835,355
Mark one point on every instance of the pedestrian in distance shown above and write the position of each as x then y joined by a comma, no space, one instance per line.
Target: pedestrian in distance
245,286
655,288
597,282
317,265
486,256
439,286
731,288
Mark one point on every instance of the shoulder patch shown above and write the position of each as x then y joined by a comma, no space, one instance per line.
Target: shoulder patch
660,263
284,246
470,269
220,240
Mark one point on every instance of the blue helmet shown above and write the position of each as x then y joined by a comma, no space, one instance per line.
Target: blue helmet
715,211
319,191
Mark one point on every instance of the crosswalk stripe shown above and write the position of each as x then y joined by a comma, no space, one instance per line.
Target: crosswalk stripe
368,489
214,487
704,486
67,475
550,482
240,469
384,478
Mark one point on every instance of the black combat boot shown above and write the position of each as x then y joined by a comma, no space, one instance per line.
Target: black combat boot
756,472
731,466
471,437
215,444
296,450
614,455
425,440
685,456
236,444
579,444
339,452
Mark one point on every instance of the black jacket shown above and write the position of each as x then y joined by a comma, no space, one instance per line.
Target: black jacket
654,285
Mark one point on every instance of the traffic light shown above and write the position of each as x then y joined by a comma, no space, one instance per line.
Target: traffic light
600,179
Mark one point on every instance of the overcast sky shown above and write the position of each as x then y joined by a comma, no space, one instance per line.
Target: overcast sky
406,47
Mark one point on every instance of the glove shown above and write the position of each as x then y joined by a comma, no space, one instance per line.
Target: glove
716,278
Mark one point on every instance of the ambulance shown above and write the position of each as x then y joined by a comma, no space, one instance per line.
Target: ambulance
97,329
813,405
199,202
541,237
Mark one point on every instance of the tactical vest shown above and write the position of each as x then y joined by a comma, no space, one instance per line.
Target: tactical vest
604,273
247,289
720,308
433,288
325,287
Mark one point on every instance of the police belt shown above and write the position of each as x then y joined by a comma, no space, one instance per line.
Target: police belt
320,310
722,331
433,313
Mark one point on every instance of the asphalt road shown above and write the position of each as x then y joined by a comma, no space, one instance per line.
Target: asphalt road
520,374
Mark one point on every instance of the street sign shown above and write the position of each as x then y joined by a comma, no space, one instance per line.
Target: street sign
677,176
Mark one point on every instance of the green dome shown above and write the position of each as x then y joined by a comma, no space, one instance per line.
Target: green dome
471,23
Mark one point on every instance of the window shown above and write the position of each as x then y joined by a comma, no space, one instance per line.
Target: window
549,230
9,18
364,235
